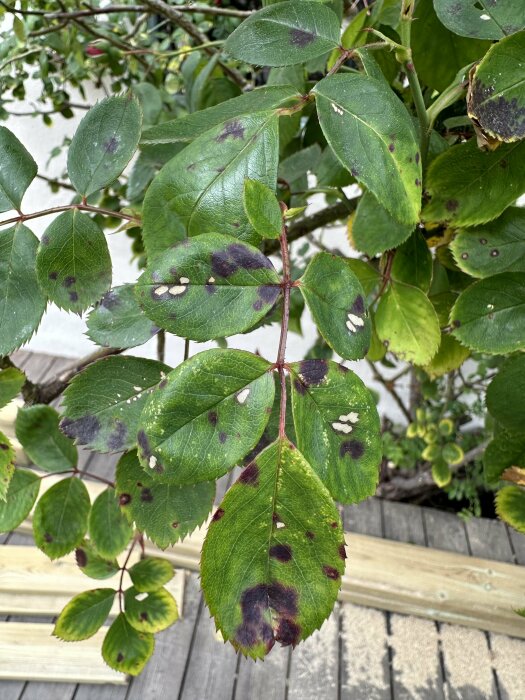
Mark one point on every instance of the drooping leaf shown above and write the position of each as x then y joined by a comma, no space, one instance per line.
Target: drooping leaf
459,179
274,554
441,472
483,251
125,649
506,395
374,230
452,453
503,451
367,275
450,356
262,209
150,574
166,513
189,127
510,506
84,615
17,170
103,403
7,465
109,528
187,196
92,564
413,262
37,430
210,286
207,415
22,302
372,134
11,382
104,143
336,300
73,262
60,519
438,53
496,98
407,324
21,496
118,321
489,316
484,20
151,611
285,33
337,428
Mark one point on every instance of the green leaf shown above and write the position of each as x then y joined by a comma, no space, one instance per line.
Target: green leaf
449,356
274,554
483,251
150,574
21,496
22,302
504,451
413,263
336,300
207,415
73,262
11,382
372,134
37,430
7,465
103,403
187,196
285,33
262,209
510,506
337,428
438,53
407,324
109,528
60,519
441,473
374,230
152,611
452,453
125,649
189,127
17,171
489,316
92,564
459,179
166,513
496,98
506,395
211,286
367,275
104,143
485,20
84,615
118,321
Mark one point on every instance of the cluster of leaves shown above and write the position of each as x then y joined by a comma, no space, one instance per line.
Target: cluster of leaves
440,277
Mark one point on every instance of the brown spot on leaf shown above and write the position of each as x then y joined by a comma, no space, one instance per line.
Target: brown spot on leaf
120,657
217,515
3,446
143,615
494,253
175,524
250,475
146,496
212,418
124,499
53,275
281,552
48,537
310,535
451,204
331,572
288,632
354,448
499,115
301,37
342,551
391,147
483,241
81,557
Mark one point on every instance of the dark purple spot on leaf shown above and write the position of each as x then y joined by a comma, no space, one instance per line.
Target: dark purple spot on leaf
45,239
250,475
210,288
331,572
451,204
333,525
218,514
143,443
146,496
53,275
310,535
143,615
212,418
313,371
354,448
3,446
288,632
73,296
358,307
391,147
301,38
268,293
222,437
281,552
257,305
81,557
83,430
494,253
110,300
483,241
233,129
299,386
342,551
48,537
117,437
417,157
69,281
120,657
111,145
175,524
124,499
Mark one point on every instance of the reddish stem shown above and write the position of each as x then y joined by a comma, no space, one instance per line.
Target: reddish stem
280,363
124,568
66,207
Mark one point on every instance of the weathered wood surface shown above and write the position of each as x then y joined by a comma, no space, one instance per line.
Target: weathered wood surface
374,655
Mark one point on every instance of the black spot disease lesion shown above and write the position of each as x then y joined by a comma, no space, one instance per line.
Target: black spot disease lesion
301,37
250,475
233,129
354,448
84,429
236,256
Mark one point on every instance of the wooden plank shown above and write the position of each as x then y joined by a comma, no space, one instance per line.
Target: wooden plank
164,673
46,690
489,538
314,670
28,651
263,681
88,691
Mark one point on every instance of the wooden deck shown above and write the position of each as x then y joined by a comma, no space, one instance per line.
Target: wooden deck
359,654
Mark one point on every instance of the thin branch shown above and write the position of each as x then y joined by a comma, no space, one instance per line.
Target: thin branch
66,207
113,9
54,181
389,386
280,364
